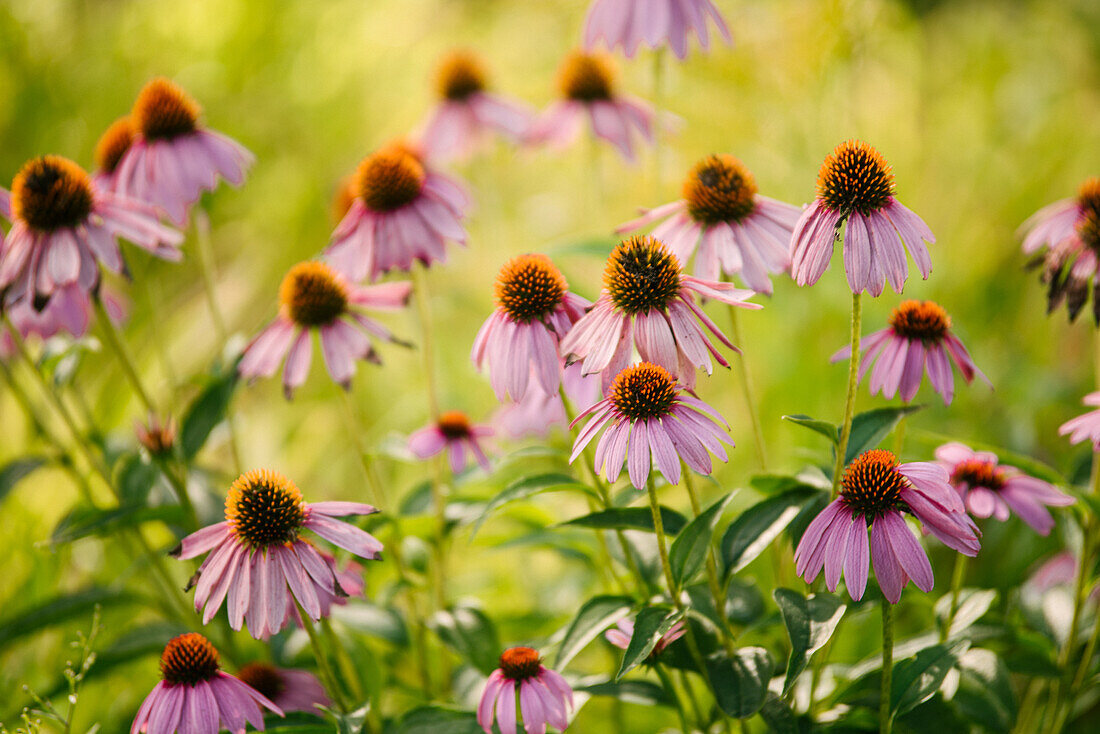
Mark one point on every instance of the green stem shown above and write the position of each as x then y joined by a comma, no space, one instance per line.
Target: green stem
374,485
957,577
696,709
328,678
114,341
343,660
643,586
711,565
206,273
179,486
885,716
439,547
666,681
850,401
420,287
747,390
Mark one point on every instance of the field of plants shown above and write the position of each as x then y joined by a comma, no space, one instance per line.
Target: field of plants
461,366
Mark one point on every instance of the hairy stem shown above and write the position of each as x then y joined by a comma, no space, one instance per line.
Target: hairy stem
885,715
747,390
850,401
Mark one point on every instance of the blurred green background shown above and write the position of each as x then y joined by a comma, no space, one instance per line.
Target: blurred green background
986,110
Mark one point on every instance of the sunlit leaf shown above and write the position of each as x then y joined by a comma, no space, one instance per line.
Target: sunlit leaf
689,549
206,412
740,682
528,487
469,633
650,624
810,623
756,527
985,692
825,428
630,518
915,679
595,616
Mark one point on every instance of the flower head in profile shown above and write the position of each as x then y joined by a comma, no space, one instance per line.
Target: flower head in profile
628,24
875,493
990,489
544,696
452,432
856,185
173,158
403,212
195,695
316,297
1085,426
467,114
109,150
259,561
587,85
649,303
646,412
155,435
538,412
1070,230
535,310
917,341
290,690
729,227
64,227
620,635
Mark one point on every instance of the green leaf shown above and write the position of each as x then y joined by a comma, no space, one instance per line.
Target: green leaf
780,719
528,487
597,614
18,469
810,623
985,690
689,549
973,604
825,428
650,624
60,609
744,602
135,480
365,617
438,720
917,678
871,427
750,534
641,692
630,518
469,633
83,522
207,411
740,683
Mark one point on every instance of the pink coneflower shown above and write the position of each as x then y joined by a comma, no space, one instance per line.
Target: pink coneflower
918,340
656,23
539,411
647,302
173,159
467,115
109,150
258,559
544,696
1071,229
403,211
156,435
646,411
1085,426
453,432
315,297
69,311
63,225
856,184
620,636
196,697
875,491
534,311
737,230
990,490
290,690
1060,570
587,86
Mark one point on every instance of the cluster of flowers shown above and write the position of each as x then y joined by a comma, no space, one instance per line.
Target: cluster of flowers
629,359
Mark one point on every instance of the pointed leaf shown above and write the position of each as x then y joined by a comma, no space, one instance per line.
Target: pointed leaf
597,614
59,609
973,604
641,692
206,412
689,549
825,428
810,623
985,690
83,522
779,717
471,634
740,683
630,518
917,678
18,469
438,720
759,525
649,625
528,487
871,427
